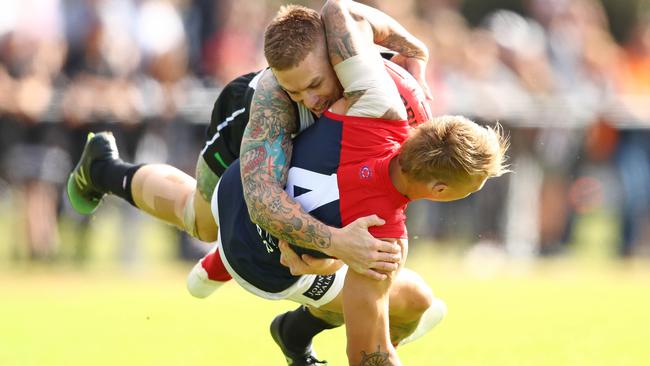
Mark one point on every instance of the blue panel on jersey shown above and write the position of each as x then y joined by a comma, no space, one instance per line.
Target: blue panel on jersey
251,251
318,148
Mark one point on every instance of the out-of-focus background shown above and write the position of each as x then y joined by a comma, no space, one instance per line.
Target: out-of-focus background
568,79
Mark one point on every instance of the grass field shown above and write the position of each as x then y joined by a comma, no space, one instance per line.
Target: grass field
569,312
550,313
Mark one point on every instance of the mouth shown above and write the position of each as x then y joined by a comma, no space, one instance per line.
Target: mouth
320,108
317,110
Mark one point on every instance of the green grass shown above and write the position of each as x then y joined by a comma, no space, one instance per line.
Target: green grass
551,313
569,312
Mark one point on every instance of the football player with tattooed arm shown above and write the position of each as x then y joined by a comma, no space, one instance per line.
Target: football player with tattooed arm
171,195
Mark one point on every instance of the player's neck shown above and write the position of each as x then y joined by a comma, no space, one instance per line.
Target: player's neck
397,177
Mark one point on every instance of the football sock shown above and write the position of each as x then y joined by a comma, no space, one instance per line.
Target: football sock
214,267
208,275
114,176
299,327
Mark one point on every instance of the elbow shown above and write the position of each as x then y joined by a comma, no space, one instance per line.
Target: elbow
254,209
331,8
251,190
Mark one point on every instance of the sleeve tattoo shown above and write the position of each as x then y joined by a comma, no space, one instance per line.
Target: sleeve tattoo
265,155
349,35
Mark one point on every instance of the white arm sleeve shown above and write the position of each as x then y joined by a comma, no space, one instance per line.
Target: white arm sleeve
362,73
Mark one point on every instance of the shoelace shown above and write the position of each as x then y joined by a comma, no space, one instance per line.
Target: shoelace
311,360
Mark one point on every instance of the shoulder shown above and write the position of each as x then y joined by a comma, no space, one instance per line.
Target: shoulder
267,85
271,104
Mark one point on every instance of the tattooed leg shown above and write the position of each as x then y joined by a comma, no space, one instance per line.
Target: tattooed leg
377,358
206,182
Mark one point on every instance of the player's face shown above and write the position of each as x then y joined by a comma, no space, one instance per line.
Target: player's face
441,192
312,82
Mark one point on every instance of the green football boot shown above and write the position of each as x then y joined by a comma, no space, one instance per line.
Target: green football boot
84,195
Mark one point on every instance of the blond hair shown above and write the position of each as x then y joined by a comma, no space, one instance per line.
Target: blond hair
291,36
454,148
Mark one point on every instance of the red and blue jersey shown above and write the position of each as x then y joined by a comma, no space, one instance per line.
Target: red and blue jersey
339,172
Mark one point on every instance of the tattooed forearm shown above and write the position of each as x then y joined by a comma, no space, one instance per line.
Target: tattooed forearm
343,47
405,45
378,358
274,211
354,96
392,113
386,31
341,42
264,161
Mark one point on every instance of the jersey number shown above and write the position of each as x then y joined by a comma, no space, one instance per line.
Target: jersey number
312,190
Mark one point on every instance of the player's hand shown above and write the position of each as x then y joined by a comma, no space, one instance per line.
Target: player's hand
416,67
364,253
306,264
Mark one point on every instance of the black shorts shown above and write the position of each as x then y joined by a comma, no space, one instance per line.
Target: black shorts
227,123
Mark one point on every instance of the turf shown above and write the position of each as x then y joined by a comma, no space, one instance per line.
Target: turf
501,313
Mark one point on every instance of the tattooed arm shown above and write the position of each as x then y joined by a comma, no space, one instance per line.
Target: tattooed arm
265,155
412,54
368,89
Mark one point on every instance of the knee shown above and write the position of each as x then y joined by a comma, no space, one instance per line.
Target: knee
207,233
412,297
420,298
198,220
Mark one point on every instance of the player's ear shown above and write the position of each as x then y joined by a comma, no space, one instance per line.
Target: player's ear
439,187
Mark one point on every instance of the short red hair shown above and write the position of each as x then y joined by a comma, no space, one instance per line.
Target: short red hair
291,36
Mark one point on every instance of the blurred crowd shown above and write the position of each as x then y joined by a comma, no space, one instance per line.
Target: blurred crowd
575,100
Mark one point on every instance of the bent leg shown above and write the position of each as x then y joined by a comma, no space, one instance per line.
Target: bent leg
413,309
163,192
171,195
205,227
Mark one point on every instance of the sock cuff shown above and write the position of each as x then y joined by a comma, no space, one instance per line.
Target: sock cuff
126,183
316,321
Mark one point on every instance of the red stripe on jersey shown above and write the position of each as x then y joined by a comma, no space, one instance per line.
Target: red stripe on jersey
365,187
